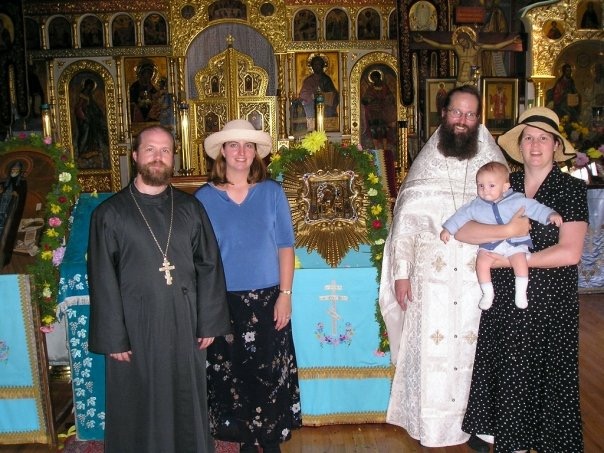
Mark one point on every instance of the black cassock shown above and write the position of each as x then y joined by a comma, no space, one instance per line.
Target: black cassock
157,402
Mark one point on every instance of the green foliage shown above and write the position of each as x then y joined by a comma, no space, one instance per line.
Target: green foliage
59,203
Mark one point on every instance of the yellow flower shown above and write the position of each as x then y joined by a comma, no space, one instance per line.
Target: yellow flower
372,178
54,208
46,320
378,256
51,233
314,141
276,156
46,255
593,153
376,209
66,188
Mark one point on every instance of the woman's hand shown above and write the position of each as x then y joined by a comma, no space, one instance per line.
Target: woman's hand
519,225
479,233
497,260
283,310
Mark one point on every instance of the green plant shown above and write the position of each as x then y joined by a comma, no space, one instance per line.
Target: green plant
59,203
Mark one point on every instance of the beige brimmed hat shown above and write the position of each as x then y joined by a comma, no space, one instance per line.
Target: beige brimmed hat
544,119
234,131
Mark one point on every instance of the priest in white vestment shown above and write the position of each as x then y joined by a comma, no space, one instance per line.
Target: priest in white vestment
429,293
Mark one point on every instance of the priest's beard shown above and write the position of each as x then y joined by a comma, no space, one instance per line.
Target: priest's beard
154,173
461,145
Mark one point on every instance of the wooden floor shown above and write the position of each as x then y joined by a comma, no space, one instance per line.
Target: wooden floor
386,438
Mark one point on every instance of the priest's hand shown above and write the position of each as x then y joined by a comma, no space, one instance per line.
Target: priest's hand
121,356
203,343
283,310
402,290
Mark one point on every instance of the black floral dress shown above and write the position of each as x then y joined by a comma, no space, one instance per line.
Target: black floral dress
525,384
253,387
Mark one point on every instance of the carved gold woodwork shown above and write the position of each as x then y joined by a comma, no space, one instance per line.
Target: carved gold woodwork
403,113
90,180
546,51
328,203
183,31
231,87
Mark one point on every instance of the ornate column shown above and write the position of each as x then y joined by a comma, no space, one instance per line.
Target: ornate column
345,100
119,100
281,97
541,82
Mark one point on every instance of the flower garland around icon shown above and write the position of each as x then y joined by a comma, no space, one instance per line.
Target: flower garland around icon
58,206
379,206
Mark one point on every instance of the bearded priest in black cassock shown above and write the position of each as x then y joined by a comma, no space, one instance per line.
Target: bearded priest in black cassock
157,300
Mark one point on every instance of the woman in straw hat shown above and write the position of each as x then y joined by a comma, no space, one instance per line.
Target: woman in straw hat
253,390
525,383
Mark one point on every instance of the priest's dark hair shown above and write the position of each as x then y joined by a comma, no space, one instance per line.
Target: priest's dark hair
155,127
256,174
468,89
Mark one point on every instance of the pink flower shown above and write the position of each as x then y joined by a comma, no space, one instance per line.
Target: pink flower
359,147
54,222
47,329
47,140
57,256
581,160
62,199
22,135
376,224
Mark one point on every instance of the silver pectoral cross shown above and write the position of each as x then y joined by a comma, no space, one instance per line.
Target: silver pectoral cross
166,268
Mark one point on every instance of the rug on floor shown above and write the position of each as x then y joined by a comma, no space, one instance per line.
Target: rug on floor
72,445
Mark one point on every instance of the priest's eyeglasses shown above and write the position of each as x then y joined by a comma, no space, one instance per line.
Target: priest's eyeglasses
456,113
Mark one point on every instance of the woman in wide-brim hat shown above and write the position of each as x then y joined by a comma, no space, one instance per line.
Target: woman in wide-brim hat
525,383
253,391
542,118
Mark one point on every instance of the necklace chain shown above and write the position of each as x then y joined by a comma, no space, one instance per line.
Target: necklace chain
465,181
166,266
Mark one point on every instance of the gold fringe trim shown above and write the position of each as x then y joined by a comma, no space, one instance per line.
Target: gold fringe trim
16,393
25,437
343,419
346,373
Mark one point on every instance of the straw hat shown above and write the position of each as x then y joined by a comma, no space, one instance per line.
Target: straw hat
544,119
234,131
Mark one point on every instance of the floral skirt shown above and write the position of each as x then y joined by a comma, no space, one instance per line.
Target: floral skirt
253,390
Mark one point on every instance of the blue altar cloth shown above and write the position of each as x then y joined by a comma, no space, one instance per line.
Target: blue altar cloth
336,339
591,271
87,368
22,417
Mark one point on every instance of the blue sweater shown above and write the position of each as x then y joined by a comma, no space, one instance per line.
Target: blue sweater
250,234
500,212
